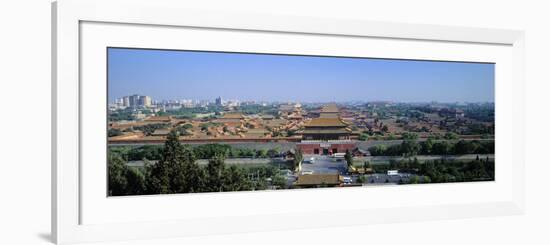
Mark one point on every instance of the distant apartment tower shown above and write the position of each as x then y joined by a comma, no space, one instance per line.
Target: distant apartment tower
145,101
219,101
126,101
136,101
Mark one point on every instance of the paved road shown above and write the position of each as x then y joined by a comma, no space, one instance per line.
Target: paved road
324,164
384,179
327,164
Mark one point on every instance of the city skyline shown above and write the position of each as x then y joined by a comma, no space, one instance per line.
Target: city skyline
197,75
213,101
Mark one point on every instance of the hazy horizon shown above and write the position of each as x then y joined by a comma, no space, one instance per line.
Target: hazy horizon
197,75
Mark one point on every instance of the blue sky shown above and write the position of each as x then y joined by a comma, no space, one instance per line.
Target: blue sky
167,74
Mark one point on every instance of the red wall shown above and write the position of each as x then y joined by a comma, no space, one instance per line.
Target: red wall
341,148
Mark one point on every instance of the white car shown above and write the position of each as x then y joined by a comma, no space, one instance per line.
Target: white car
309,160
307,172
392,172
347,180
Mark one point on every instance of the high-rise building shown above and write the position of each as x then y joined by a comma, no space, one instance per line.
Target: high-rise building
219,101
126,101
145,101
136,101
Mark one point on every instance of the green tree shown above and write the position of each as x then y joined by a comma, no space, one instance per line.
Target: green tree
208,151
415,164
113,132
262,153
136,182
167,175
426,179
194,175
298,158
442,148
367,165
427,146
362,179
215,170
117,176
272,153
409,136
124,180
278,181
410,147
349,158
234,179
450,136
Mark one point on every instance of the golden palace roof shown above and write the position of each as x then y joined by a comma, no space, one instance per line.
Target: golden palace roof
326,122
330,108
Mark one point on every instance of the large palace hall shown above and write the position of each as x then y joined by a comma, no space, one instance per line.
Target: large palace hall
326,134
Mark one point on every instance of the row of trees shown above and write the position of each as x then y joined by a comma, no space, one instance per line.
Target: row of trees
114,132
188,113
148,129
432,147
178,172
206,151
365,135
441,171
259,109
121,115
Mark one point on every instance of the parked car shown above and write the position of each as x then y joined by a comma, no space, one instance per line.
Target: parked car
309,160
307,172
347,180
392,172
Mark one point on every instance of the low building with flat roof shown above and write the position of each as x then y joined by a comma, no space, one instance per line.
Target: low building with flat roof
317,180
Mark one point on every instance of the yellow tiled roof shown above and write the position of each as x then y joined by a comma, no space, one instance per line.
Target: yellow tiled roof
326,122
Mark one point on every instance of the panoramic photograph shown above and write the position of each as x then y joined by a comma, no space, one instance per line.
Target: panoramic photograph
203,121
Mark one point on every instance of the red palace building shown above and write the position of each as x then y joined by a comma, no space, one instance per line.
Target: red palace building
327,134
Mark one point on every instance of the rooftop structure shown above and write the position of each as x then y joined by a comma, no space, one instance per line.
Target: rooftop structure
326,122
233,116
318,180
289,107
330,108
159,119
329,126
329,111
267,117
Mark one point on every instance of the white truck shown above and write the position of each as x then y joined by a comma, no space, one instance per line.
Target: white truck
339,156
392,172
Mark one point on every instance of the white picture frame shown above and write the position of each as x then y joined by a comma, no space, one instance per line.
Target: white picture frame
68,16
